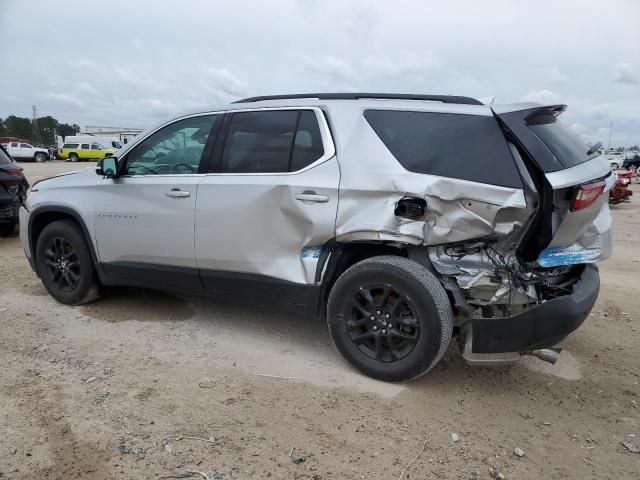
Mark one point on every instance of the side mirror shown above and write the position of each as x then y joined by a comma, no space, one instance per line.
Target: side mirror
107,167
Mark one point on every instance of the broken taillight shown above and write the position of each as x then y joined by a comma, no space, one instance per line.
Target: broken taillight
587,194
14,173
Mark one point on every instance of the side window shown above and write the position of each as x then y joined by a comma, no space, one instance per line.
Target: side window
25,145
271,142
84,146
14,145
259,142
175,149
95,146
466,147
70,145
307,147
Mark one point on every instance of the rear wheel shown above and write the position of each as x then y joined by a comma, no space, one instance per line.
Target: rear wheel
40,157
73,157
8,229
65,265
390,318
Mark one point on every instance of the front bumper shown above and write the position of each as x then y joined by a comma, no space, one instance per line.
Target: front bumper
542,326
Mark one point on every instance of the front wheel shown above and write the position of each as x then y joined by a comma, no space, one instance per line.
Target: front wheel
65,265
390,318
40,157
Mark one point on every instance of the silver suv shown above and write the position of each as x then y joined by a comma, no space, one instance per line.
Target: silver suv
405,220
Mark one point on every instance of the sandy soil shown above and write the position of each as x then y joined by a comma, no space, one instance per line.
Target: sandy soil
147,385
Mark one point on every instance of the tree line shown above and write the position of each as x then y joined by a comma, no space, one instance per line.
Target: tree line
48,128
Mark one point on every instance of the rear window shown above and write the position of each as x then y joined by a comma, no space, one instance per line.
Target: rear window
70,145
466,147
565,145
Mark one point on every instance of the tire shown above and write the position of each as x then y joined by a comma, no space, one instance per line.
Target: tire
73,157
411,291
40,157
74,281
8,229
615,165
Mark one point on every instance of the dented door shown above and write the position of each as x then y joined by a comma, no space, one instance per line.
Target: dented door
272,225
271,205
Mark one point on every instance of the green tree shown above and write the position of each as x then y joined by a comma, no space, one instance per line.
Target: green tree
47,127
3,129
18,127
64,129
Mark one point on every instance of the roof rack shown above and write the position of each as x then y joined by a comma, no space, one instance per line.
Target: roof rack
357,96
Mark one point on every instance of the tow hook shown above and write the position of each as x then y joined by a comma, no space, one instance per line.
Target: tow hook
549,355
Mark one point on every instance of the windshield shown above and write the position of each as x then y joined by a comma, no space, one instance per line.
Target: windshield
566,146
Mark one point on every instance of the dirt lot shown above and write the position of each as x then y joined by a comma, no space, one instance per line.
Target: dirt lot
147,385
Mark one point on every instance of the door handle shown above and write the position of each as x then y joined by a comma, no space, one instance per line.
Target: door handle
309,196
177,193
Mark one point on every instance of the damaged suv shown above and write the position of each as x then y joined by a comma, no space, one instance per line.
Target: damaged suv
404,220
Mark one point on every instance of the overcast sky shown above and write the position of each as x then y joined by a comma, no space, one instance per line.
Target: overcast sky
129,63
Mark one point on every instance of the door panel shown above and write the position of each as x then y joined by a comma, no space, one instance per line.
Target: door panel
254,223
144,219
140,219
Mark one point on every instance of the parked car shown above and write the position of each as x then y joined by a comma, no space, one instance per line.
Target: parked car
632,161
615,158
13,189
620,191
404,222
84,151
25,151
104,141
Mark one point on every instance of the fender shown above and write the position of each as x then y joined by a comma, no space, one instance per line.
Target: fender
39,211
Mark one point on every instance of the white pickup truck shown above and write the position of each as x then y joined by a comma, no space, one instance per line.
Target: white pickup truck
24,151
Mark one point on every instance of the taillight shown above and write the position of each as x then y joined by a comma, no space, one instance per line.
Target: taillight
14,173
587,194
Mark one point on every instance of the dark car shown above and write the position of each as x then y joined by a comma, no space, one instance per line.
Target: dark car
13,190
632,161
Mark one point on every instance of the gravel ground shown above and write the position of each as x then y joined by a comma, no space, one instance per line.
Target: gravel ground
144,384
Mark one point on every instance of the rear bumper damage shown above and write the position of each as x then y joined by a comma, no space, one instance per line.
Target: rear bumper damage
539,327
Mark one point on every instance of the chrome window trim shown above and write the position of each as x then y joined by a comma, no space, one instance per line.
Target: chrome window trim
325,134
166,124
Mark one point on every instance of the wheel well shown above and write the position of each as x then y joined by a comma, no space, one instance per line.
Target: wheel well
346,255
41,221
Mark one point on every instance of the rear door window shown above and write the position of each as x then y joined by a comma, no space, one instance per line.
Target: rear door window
276,141
466,147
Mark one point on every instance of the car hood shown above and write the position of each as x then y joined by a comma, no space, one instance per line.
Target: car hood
82,177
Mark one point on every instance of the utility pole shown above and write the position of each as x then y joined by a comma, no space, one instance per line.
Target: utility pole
610,128
34,123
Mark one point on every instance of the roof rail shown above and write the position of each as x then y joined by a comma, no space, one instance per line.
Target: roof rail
357,96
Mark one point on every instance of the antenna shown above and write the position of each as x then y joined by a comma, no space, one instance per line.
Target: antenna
34,123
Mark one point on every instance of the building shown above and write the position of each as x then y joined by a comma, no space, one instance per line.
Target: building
123,134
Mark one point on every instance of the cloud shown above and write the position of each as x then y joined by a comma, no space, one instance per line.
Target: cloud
65,99
330,72
545,97
625,73
86,87
211,53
